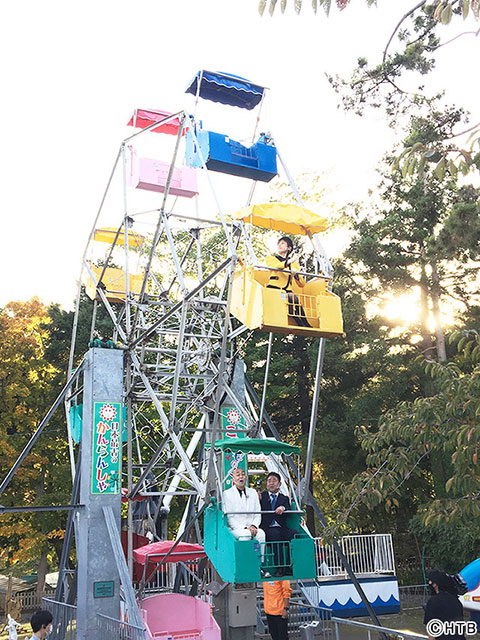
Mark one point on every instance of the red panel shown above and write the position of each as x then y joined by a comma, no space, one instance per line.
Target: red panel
138,541
183,552
143,118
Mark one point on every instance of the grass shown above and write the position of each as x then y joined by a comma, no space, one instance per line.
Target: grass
24,633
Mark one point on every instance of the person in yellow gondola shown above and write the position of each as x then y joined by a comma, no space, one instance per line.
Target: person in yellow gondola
284,259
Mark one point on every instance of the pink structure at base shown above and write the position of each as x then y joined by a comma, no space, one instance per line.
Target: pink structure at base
152,175
177,617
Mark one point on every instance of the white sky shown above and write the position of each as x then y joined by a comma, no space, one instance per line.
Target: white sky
72,73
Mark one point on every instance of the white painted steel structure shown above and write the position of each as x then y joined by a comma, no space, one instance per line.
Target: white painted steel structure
181,353
181,343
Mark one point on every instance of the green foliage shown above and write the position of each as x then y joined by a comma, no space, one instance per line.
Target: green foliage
428,448
298,4
448,546
59,335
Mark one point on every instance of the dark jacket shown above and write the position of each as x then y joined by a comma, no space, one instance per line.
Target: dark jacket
445,607
265,504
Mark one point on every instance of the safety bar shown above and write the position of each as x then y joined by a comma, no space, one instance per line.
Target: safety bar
257,512
371,627
294,271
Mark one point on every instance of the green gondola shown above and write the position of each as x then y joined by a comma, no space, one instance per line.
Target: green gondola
240,561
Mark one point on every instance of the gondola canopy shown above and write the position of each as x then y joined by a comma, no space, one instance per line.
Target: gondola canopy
108,235
226,89
288,218
256,446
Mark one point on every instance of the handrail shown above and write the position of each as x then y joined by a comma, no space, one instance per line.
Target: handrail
227,513
372,627
121,622
62,604
299,603
315,276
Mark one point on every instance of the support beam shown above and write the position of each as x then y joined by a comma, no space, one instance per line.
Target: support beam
111,521
178,306
61,591
100,487
313,419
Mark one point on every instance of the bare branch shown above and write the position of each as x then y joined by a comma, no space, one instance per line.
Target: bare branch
465,33
455,135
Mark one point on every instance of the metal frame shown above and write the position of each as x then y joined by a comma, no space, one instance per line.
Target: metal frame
181,350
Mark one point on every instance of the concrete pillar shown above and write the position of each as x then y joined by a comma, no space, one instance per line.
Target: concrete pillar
235,610
100,486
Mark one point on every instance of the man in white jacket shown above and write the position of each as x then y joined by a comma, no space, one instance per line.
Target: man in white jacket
244,526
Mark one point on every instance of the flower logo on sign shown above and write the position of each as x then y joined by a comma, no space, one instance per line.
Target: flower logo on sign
234,417
108,412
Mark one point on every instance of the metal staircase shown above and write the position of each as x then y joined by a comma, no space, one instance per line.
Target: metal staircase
301,613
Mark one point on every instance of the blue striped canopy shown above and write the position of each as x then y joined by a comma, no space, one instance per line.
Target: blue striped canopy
227,89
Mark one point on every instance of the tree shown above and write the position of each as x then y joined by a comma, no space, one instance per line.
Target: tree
27,389
414,239
379,86
325,4
429,447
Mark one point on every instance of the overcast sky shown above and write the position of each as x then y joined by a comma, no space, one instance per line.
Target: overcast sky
72,73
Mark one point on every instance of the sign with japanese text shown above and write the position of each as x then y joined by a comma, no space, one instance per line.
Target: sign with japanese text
104,589
106,447
233,426
233,423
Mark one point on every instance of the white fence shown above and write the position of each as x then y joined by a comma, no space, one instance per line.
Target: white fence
366,554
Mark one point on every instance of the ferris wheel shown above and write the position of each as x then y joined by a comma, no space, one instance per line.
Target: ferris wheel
183,287
183,301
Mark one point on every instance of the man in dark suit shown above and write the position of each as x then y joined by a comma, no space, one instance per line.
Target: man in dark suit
275,524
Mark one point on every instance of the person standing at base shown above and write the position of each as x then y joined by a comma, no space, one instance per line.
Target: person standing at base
443,605
41,622
276,596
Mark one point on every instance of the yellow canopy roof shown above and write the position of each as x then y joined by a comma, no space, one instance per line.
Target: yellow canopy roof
107,234
289,218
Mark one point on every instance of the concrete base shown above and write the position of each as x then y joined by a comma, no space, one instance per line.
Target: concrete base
235,609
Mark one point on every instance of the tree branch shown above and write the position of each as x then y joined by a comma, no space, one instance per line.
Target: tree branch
409,13
455,135
465,33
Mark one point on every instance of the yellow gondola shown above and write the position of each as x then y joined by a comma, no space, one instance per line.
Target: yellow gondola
108,235
260,307
115,283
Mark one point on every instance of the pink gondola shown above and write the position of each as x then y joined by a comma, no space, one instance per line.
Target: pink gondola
152,175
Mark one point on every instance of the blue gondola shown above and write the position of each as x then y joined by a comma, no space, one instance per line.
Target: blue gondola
221,153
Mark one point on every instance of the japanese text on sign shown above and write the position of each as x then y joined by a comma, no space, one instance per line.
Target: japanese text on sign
233,427
106,457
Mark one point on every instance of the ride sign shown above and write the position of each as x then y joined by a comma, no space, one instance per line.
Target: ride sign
233,423
106,448
233,427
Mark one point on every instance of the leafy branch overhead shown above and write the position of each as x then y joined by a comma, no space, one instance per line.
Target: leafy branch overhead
444,9
383,87
379,86
297,4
